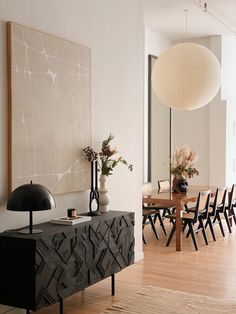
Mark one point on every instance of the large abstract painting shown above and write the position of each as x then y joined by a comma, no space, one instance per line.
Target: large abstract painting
49,110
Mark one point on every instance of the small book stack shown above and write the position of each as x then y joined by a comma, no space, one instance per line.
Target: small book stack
70,220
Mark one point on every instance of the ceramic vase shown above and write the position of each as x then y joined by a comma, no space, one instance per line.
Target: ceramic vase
179,185
103,195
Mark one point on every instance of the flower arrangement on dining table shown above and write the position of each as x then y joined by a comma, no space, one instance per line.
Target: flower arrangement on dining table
182,167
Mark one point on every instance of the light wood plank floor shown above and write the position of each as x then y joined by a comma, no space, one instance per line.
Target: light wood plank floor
210,271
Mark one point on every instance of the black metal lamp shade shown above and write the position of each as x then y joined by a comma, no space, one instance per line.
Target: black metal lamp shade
30,197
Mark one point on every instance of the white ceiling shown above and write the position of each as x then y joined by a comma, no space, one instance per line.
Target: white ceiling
167,17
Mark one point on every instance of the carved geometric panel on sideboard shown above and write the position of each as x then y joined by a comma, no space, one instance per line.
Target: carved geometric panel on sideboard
39,270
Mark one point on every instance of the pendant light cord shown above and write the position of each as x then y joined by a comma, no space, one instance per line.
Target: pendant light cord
186,24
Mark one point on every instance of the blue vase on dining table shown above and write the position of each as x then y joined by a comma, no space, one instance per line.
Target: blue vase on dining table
179,185
182,185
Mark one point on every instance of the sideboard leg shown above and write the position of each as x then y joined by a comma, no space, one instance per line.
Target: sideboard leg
113,284
61,306
27,311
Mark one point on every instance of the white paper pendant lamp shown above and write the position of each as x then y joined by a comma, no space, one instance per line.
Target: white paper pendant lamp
187,76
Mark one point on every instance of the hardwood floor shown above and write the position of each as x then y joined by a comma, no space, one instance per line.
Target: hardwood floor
210,271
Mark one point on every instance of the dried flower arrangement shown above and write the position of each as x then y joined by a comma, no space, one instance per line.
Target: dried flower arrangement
182,163
106,161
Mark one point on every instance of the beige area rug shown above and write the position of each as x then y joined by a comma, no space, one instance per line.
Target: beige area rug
154,300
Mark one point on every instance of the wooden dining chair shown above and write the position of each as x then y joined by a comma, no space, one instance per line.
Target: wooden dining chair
157,211
148,216
216,208
147,187
190,219
164,186
230,207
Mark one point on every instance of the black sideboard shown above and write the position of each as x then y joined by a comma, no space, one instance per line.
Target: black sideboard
41,269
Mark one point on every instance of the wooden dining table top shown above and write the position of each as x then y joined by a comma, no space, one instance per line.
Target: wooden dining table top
169,197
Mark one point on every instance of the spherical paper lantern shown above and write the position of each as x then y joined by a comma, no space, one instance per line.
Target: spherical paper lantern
186,76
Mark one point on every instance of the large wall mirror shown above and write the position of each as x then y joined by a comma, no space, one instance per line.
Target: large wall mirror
159,134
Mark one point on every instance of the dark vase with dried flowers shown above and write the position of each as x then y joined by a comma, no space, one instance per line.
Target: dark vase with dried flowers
182,168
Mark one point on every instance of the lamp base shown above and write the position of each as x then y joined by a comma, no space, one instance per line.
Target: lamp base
27,231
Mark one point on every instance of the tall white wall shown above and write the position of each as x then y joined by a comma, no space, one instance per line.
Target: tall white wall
228,94
114,31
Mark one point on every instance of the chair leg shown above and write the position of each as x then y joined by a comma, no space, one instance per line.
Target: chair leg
153,226
211,228
203,231
198,228
144,240
193,235
144,220
161,223
188,233
220,223
232,214
184,227
234,217
164,212
227,221
171,234
155,219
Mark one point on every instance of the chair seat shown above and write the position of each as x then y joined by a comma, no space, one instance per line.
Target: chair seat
147,212
185,216
158,206
190,210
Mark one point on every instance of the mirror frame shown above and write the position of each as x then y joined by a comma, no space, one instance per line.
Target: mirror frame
152,58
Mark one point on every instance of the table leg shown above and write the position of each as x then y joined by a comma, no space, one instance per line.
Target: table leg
61,306
179,209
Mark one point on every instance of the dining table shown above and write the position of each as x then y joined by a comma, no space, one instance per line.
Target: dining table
178,200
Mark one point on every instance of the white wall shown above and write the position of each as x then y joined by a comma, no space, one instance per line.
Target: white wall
228,94
154,44
114,31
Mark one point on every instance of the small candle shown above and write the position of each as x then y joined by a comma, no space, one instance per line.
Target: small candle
71,212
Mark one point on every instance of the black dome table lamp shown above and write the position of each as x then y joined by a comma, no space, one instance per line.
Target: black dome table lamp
30,197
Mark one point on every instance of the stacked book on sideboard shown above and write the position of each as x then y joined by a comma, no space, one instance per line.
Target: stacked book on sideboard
70,220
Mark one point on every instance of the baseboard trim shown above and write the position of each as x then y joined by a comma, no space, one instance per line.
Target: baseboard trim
139,256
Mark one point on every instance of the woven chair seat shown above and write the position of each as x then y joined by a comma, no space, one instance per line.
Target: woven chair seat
185,215
147,212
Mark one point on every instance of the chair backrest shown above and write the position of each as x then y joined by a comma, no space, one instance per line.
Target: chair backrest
163,185
202,205
220,199
147,190
232,196
147,187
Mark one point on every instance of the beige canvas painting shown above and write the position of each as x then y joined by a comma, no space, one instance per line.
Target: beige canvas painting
49,110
